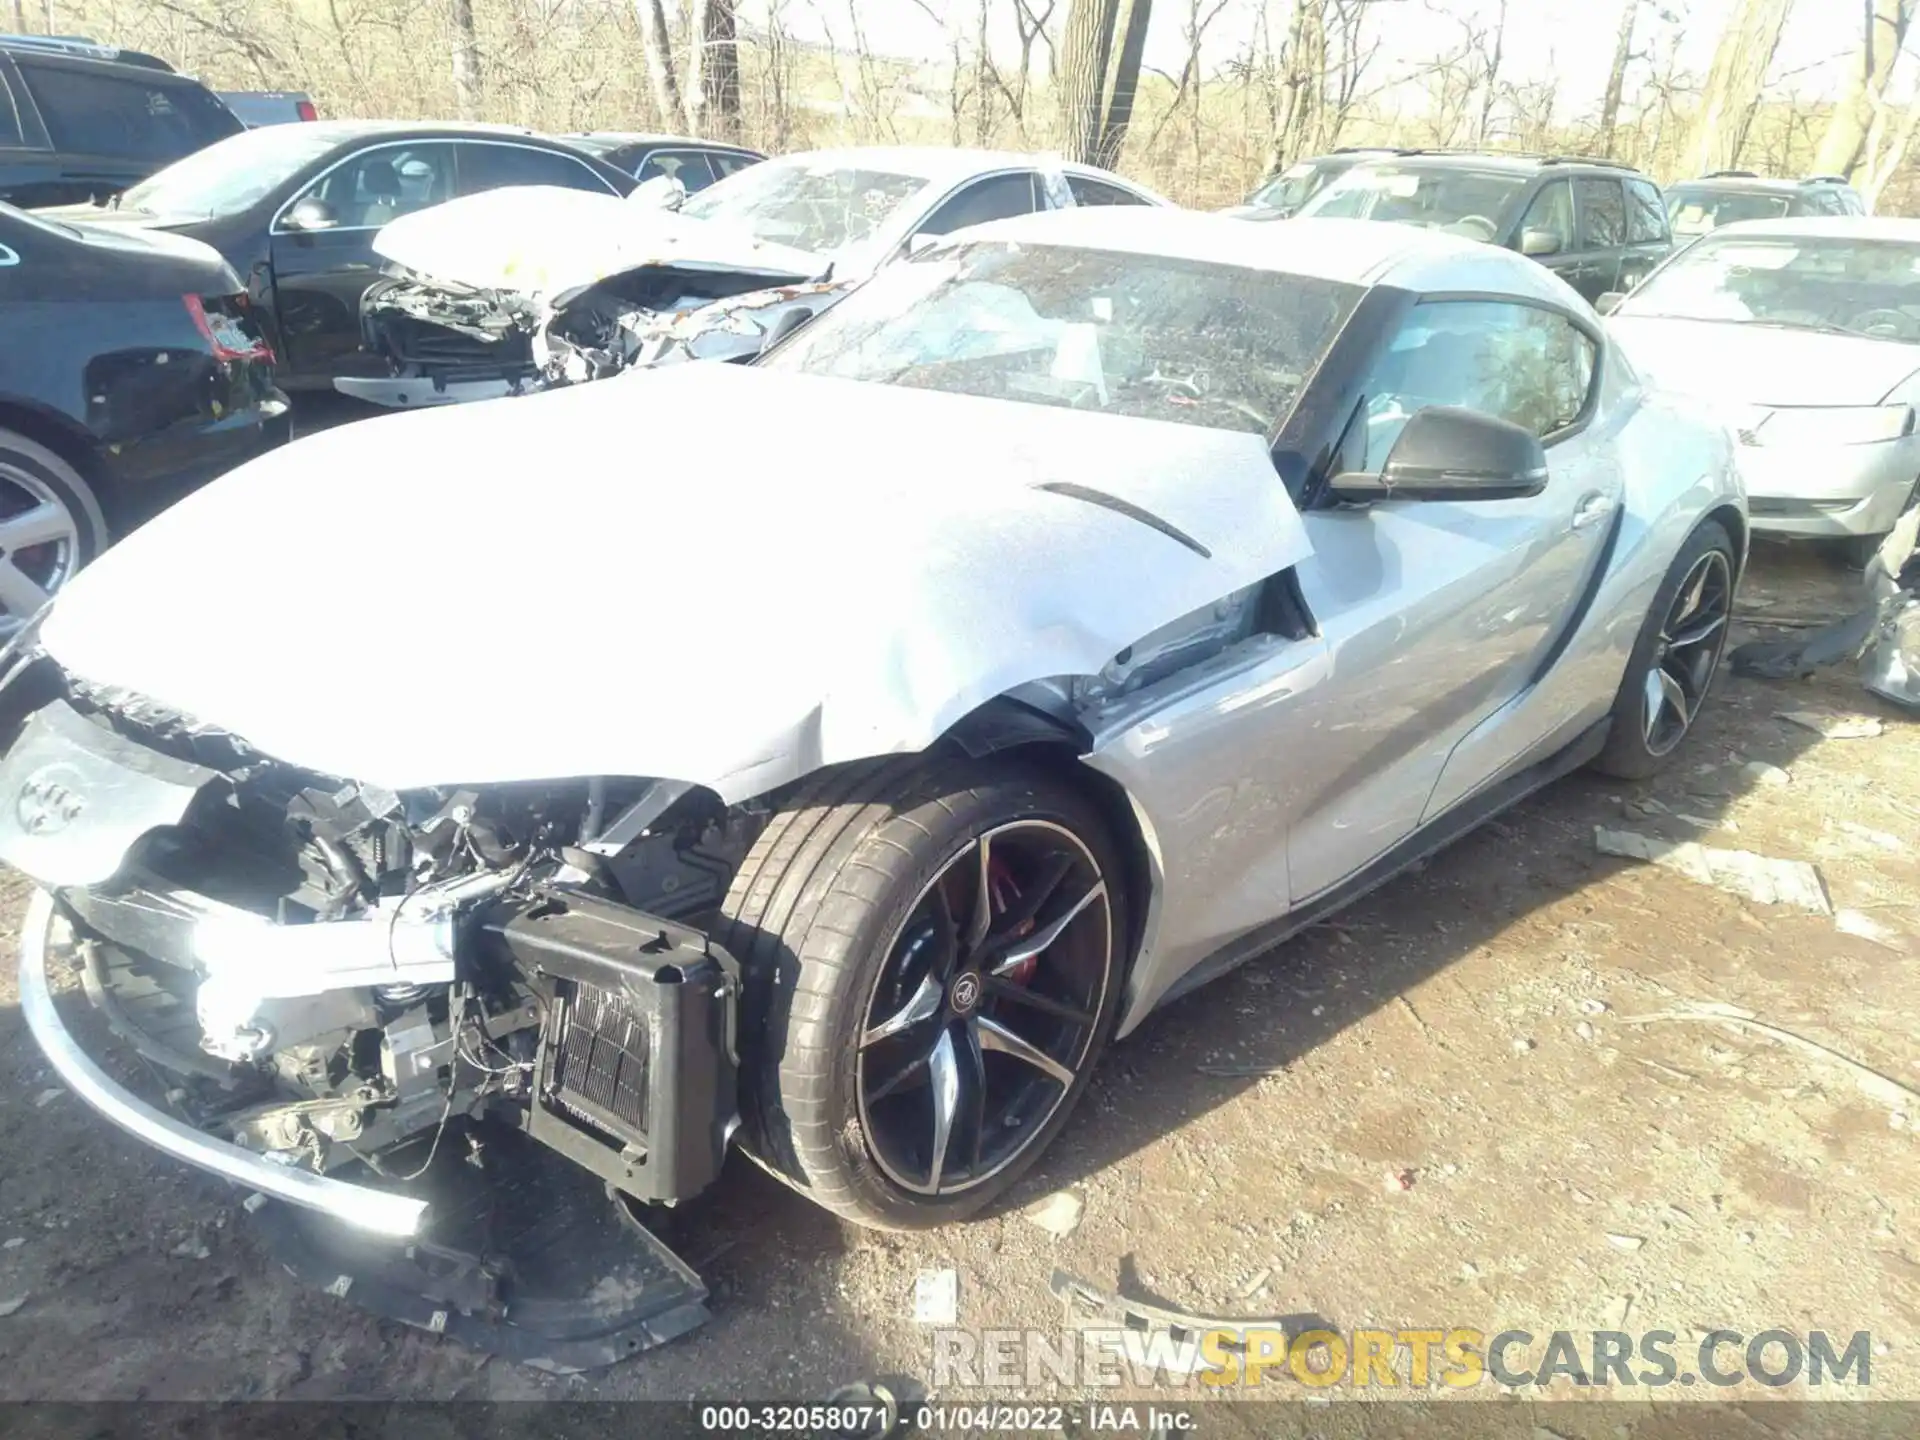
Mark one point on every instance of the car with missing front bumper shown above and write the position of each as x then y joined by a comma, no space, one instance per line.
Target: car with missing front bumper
1076,610
1806,334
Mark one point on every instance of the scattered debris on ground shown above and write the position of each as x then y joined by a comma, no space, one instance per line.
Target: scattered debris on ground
1738,872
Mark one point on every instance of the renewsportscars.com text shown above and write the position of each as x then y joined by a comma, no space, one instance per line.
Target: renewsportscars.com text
1453,1358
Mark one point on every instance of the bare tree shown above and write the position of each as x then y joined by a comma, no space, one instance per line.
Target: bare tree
1126,83
1494,47
1741,60
466,61
1617,76
1843,144
1299,97
19,17
713,70
659,53
1085,52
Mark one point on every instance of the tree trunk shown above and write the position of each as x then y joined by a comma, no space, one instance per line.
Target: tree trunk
1301,95
1843,143
713,71
659,53
46,9
1491,92
466,61
1084,53
1126,84
19,17
1617,76
1740,64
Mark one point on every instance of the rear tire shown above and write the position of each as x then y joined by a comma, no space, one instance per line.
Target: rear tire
1675,657
50,526
877,1078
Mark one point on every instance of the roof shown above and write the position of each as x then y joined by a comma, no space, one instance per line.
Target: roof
1767,184
1359,252
1493,162
345,130
1809,227
613,139
933,162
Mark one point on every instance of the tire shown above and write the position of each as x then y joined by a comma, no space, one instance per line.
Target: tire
834,914
35,481
1637,746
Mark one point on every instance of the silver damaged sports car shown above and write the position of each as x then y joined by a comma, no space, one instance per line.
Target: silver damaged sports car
1079,608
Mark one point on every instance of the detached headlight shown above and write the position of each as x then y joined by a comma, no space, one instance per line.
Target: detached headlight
1817,425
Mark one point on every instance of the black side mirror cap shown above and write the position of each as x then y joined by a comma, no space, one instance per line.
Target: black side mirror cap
1448,453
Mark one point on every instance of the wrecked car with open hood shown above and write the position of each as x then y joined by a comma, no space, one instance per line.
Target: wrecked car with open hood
521,290
1093,601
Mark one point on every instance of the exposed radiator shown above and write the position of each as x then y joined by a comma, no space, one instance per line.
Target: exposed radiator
600,1063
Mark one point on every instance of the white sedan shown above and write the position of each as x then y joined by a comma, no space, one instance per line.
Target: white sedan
1806,334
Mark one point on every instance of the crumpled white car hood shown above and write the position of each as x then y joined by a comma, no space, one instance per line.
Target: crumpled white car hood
709,573
548,243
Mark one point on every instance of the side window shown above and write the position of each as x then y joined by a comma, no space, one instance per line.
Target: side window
726,162
995,198
1521,363
1088,191
689,167
94,114
1603,217
1552,213
10,131
492,167
1646,214
375,186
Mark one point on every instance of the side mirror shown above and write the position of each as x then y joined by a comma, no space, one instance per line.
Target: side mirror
1446,453
662,192
311,213
1609,302
920,244
1538,243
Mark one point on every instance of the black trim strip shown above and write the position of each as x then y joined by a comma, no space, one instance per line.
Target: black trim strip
1126,508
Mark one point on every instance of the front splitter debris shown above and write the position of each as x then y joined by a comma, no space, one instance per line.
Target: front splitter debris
523,1256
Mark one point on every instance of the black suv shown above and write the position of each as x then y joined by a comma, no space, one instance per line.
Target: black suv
80,121
1696,206
1597,224
1279,197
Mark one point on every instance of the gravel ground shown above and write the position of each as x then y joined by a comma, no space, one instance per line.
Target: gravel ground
1459,1127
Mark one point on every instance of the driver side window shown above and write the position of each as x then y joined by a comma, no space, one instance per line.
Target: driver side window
998,197
1519,363
384,183
1552,212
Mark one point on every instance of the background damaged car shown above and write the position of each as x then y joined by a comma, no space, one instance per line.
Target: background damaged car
1235,569
522,291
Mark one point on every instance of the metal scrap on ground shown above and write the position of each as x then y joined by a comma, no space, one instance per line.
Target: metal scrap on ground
1739,872
1871,1082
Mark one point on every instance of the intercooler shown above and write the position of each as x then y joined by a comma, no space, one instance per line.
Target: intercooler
636,1073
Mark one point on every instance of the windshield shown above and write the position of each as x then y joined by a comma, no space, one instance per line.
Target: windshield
1467,202
809,205
1839,283
1698,211
226,178
1143,335
1289,189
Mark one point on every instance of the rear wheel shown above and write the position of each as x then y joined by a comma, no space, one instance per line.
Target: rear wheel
50,525
1674,660
932,954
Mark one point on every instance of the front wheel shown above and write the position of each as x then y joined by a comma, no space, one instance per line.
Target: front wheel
1675,657
932,954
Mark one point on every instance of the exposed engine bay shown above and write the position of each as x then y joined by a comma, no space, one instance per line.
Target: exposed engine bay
324,970
441,338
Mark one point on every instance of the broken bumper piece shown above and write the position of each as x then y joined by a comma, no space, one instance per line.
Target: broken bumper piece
365,1209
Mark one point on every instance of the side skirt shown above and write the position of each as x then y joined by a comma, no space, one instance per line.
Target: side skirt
1469,814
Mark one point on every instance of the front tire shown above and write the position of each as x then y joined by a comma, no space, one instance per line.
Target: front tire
932,954
1675,657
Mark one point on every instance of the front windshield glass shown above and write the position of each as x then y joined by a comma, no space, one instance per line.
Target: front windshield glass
1143,335
1465,202
1698,211
1289,189
227,177
1832,282
810,206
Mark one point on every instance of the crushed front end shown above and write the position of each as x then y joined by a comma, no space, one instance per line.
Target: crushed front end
383,1015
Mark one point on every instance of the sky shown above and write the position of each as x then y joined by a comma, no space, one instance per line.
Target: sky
1572,40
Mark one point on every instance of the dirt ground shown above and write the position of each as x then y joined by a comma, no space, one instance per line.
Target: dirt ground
1462,1127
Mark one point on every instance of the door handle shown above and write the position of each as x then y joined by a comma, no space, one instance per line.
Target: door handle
1591,508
